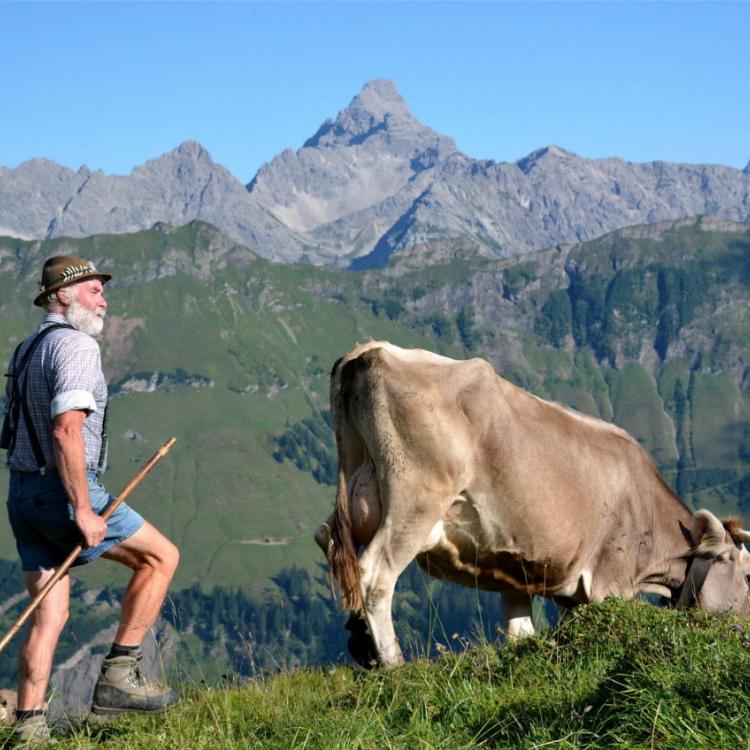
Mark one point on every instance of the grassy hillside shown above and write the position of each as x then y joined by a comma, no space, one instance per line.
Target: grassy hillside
619,674
239,353
230,353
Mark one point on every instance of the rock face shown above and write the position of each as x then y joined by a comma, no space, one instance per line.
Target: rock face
357,177
41,199
370,183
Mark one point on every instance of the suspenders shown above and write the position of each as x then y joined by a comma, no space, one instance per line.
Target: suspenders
105,438
19,405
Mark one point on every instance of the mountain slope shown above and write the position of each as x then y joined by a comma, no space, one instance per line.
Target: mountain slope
222,349
230,353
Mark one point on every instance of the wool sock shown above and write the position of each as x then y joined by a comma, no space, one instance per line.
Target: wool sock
30,714
118,650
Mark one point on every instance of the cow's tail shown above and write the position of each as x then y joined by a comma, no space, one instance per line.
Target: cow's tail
342,551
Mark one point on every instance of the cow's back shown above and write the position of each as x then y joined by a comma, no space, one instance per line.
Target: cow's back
408,408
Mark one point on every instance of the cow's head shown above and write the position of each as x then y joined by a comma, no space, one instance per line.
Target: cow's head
726,584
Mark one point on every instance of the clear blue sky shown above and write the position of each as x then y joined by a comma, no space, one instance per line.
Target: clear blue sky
114,84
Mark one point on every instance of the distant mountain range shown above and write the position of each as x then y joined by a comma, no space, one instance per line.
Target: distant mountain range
372,182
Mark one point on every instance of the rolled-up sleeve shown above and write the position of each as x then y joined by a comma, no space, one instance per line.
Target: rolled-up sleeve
75,367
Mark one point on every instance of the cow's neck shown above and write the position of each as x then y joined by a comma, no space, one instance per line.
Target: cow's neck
666,571
665,578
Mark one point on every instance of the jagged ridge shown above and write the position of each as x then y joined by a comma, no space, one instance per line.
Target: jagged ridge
369,183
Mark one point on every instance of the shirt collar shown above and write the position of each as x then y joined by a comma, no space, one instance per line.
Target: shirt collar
52,317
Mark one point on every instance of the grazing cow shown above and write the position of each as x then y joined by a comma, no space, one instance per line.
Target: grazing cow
491,487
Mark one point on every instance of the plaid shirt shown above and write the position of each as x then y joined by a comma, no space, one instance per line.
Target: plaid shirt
65,373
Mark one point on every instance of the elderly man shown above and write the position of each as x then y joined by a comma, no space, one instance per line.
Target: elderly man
55,434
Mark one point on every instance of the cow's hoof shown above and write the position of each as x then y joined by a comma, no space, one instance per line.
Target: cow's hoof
360,643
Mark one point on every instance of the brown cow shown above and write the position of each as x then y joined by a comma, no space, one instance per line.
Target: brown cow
491,487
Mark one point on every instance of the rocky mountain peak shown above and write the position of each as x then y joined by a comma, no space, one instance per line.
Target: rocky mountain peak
40,165
548,153
746,170
192,150
378,100
183,163
189,151
353,168
378,108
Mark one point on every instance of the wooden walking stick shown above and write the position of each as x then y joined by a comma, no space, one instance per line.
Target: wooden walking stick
70,559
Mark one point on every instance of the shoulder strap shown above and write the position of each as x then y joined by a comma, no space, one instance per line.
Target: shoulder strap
16,370
105,439
22,399
10,420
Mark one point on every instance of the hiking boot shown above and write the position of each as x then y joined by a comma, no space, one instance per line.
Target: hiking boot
122,687
32,733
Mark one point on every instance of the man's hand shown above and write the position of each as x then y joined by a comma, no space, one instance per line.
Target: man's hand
70,457
92,527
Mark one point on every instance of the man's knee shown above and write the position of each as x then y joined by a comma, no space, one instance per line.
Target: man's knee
165,557
50,620
147,549
170,558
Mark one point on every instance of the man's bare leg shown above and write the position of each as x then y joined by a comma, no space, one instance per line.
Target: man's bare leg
153,559
122,687
47,622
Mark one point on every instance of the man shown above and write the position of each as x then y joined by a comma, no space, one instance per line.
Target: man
55,433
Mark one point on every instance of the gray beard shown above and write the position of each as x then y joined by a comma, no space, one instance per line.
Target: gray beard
87,321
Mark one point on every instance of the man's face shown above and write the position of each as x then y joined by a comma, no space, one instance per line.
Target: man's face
87,306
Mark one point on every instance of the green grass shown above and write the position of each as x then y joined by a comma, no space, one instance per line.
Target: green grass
717,407
638,409
616,675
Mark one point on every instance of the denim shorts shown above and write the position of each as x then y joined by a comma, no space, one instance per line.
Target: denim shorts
43,522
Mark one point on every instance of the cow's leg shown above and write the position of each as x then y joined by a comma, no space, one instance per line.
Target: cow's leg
408,530
517,610
378,576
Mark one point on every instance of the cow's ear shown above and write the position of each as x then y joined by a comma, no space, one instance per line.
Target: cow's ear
734,527
709,532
